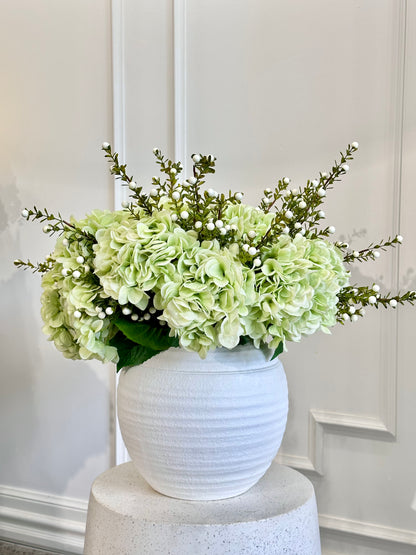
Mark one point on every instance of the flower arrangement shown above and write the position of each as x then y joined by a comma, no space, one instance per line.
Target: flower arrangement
184,266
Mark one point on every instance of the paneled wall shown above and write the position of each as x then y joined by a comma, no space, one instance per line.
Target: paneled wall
55,111
272,89
278,89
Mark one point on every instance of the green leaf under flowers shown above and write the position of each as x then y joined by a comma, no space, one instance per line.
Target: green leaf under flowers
130,353
145,335
245,340
278,351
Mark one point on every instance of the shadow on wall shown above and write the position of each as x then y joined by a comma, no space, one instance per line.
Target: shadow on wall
54,412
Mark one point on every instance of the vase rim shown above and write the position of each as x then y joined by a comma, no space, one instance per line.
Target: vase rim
242,358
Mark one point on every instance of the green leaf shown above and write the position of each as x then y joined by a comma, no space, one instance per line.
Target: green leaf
278,351
147,336
245,340
130,354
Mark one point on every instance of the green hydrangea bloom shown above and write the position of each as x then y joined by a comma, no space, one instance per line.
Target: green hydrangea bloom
201,301
87,336
297,287
247,218
132,257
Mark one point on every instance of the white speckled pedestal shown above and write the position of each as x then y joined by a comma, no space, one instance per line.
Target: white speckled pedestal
276,516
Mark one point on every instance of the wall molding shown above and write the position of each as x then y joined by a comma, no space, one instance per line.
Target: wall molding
120,454
374,533
119,97
322,422
42,520
180,82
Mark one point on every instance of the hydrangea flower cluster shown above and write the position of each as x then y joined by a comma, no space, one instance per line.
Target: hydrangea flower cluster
184,266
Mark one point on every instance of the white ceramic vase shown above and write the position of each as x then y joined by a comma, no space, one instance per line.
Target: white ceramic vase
203,429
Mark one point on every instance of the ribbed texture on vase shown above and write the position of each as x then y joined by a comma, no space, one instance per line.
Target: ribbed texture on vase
199,431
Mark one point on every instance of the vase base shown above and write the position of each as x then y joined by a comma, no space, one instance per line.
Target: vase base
200,496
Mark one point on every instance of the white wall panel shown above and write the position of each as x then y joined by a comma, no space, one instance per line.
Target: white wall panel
278,88
55,111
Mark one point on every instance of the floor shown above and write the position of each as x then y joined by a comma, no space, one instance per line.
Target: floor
7,548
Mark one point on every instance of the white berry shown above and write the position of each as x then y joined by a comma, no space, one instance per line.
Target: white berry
196,158
25,213
252,251
239,196
77,314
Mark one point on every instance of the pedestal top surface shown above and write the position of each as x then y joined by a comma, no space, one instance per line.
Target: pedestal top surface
123,491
